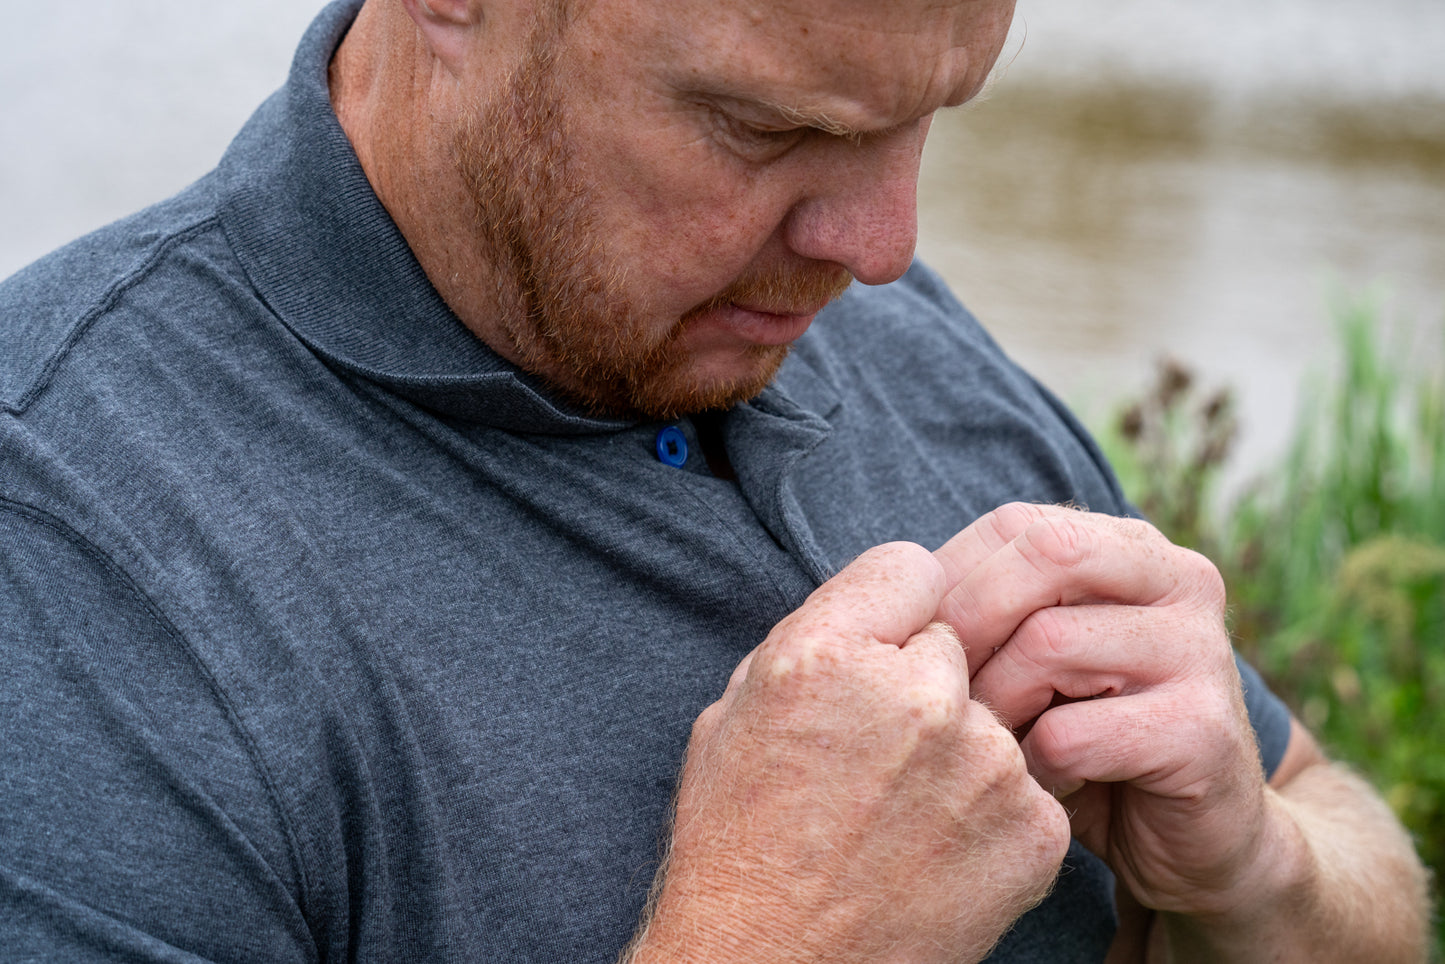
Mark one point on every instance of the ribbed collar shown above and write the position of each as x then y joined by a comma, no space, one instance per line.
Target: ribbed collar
324,254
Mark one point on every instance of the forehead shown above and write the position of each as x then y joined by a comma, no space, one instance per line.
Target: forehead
867,64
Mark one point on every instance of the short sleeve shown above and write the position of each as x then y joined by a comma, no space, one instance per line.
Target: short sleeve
133,822
1267,714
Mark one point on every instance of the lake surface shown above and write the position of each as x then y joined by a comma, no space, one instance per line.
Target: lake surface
1203,181
1146,178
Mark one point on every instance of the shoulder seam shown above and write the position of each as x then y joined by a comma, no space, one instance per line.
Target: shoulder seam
106,302
41,517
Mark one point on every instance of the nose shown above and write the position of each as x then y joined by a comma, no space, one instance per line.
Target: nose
863,212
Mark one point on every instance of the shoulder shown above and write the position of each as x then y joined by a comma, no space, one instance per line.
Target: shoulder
917,309
915,343
929,424
53,305
125,359
910,359
122,742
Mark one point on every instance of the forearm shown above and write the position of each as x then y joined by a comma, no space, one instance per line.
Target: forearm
1339,881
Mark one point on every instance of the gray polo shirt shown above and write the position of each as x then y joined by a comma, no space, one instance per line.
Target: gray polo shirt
325,634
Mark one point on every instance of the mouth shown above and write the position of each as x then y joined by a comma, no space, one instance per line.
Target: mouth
768,311
780,310
770,324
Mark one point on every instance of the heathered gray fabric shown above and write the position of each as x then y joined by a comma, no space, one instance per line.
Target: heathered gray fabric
327,635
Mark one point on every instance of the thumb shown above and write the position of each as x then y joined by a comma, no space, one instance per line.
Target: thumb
886,595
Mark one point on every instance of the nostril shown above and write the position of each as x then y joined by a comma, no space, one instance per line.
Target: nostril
871,236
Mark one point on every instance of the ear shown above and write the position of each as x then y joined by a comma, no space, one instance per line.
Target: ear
447,26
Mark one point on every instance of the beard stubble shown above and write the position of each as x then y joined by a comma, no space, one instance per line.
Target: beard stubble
561,297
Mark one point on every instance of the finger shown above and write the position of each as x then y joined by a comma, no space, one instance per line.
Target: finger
1064,561
938,639
1163,741
1186,757
1087,742
938,660
886,595
967,550
989,533
1082,652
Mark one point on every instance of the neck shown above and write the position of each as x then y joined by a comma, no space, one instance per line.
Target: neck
396,101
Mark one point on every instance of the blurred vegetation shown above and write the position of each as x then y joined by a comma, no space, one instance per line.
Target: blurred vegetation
1334,556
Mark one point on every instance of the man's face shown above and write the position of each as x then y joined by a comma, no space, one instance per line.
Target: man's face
671,191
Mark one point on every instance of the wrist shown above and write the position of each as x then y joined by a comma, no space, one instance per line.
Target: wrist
1274,893
700,919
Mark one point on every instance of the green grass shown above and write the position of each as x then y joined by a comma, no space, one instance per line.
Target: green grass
1334,557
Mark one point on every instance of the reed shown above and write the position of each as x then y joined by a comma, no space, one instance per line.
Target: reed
1334,557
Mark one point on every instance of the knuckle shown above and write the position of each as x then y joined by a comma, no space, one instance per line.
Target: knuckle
1059,542
995,757
894,557
1044,638
882,555
932,707
1053,742
707,723
797,656
1052,832
1206,577
1141,529
1017,515
1223,713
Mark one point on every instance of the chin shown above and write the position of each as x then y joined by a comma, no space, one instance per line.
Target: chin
716,385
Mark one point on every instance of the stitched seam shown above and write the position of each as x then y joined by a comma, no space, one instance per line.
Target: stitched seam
106,303
43,518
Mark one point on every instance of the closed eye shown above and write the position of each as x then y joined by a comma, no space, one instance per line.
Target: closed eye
754,141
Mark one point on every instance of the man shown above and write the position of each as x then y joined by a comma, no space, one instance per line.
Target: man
384,515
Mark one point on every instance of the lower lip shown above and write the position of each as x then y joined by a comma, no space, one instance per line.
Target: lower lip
765,328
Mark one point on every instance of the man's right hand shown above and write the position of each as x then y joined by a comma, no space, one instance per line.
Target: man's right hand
846,800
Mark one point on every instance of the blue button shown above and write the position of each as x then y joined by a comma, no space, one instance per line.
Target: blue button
672,446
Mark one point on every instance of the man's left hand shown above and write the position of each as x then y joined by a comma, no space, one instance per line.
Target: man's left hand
1104,646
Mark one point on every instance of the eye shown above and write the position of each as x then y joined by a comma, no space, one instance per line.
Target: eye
753,140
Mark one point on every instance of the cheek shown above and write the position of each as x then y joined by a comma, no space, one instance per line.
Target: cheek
675,206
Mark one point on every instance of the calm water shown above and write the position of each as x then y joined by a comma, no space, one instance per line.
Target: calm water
1147,178
1203,181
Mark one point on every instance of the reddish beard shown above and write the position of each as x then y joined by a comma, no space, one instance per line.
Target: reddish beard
561,299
